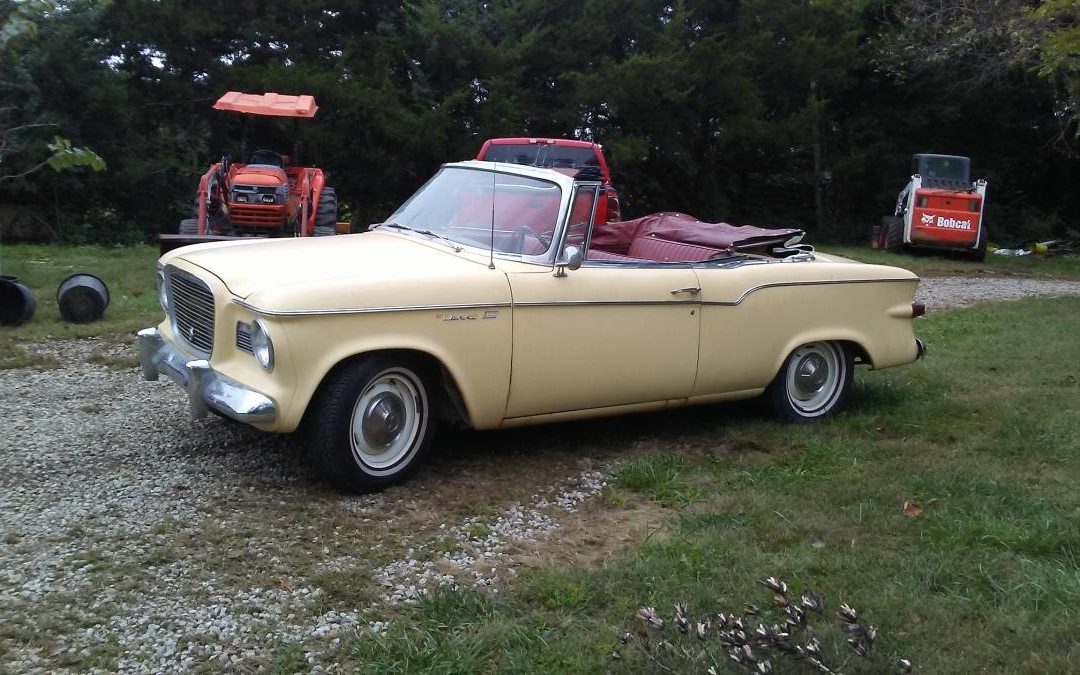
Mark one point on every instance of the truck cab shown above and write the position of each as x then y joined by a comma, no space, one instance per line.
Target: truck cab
558,153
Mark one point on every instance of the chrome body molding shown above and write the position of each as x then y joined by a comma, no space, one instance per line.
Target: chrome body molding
367,310
782,284
555,303
207,389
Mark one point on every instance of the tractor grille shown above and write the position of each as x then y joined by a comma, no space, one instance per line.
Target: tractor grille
243,337
192,310
257,215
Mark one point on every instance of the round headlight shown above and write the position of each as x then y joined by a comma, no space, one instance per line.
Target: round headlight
163,295
261,345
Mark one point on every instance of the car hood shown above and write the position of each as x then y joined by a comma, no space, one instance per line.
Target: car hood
371,269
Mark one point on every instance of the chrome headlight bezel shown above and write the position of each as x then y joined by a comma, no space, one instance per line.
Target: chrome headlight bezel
162,290
262,345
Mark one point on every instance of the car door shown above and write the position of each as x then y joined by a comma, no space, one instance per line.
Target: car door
606,334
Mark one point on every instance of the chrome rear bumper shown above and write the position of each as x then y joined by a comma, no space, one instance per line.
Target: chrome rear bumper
207,389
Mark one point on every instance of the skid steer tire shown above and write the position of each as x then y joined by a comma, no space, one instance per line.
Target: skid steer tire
326,214
894,235
979,255
189,226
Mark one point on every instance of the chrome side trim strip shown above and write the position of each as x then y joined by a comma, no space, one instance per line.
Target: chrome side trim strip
782,284
559,303
613,303
368,310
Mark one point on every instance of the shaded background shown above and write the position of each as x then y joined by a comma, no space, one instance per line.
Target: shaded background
712,108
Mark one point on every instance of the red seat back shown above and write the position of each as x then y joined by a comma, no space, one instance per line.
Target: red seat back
663,250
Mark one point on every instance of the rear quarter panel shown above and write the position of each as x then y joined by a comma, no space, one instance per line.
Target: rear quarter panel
754,316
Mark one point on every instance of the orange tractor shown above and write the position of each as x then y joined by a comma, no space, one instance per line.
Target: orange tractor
266,196
940,208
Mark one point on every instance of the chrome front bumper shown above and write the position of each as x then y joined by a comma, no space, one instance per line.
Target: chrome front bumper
207,389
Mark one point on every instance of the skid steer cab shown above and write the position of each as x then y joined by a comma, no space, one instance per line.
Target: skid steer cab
940,208
262,193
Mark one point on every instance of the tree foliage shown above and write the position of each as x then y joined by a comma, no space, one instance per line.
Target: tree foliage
771,112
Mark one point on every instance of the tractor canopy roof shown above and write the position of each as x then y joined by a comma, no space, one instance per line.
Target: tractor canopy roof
268,104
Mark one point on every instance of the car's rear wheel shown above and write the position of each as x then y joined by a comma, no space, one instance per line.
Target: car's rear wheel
814,382
372,423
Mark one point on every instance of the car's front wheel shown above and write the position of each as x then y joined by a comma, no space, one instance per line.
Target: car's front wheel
814,382
372,423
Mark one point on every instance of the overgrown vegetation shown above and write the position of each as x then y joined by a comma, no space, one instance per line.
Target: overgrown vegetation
763,112
978,573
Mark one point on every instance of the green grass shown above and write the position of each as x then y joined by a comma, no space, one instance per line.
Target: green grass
983,435
128,272
936,264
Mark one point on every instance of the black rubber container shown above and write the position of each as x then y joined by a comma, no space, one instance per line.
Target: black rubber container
17,303
82,298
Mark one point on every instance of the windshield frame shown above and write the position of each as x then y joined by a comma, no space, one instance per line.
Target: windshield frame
548,258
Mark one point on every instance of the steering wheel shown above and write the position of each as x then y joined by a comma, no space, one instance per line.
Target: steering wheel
266,157
525,230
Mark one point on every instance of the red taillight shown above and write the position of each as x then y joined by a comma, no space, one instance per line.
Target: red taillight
917,309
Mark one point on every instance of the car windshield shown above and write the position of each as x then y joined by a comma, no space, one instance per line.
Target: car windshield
542,154
511,214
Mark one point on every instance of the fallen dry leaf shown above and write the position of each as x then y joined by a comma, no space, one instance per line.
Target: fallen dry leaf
912,510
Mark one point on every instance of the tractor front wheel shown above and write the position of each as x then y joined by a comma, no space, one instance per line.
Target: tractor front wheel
189,226
326,214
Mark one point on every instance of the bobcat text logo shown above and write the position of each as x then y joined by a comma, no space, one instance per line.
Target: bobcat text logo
929,219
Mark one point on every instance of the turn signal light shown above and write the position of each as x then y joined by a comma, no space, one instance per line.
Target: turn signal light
917,309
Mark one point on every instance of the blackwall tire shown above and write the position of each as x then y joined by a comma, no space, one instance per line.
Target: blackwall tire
372,423
326,212
814,382
894,234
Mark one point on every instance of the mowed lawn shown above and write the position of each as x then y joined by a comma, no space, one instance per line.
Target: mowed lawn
983,436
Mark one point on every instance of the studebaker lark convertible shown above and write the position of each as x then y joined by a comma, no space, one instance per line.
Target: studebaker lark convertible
490,300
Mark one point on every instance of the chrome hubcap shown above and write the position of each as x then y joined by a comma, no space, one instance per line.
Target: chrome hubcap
383,420
810,376
815,376
387,420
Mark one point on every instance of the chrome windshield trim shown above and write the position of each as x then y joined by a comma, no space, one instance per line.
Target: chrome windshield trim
782,284
367,310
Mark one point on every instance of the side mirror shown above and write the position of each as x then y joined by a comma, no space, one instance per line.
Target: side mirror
571,259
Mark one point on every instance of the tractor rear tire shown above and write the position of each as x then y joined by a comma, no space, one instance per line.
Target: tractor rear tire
326,214
189,226
894,234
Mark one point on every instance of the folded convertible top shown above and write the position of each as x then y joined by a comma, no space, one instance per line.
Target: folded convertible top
617,236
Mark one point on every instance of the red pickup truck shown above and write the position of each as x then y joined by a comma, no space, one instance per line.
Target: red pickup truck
557,153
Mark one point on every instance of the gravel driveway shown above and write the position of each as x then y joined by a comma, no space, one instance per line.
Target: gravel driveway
134,539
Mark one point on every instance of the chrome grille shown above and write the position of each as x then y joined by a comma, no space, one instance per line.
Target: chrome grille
192,305
243,337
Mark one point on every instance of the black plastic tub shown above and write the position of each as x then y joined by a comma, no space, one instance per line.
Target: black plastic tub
17,303
82,298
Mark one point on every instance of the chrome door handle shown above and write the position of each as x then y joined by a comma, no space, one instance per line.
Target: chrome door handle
692,290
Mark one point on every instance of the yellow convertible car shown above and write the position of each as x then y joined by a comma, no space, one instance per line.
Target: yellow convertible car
489,299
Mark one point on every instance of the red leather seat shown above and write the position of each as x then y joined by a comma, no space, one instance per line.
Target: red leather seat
663,250
598,254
